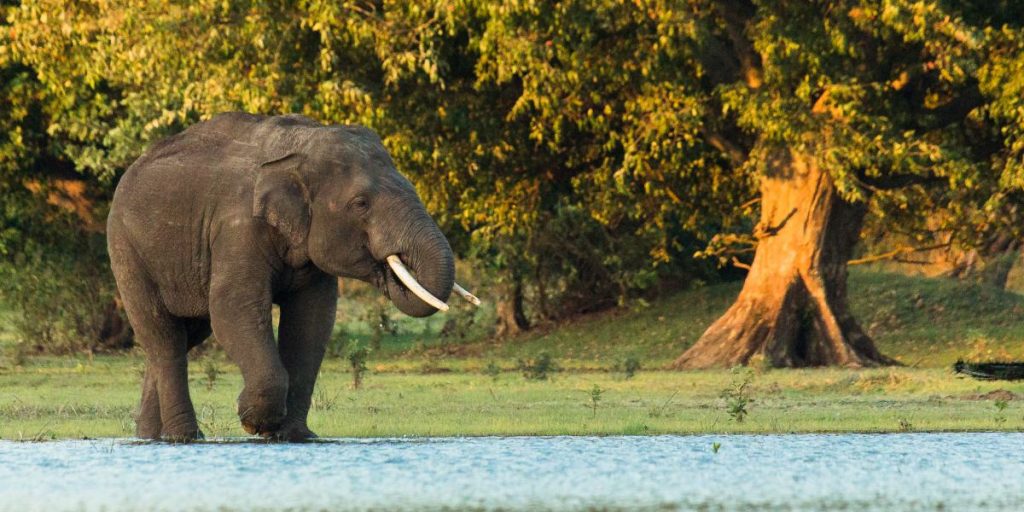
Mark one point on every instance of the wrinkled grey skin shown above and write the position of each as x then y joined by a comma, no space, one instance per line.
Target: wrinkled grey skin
212,226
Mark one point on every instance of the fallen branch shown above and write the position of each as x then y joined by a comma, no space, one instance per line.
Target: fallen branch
894,253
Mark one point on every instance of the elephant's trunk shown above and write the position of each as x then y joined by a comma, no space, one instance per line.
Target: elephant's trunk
426,253
414,286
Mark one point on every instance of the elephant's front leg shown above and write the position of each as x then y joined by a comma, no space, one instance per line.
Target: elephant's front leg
240,314
307,317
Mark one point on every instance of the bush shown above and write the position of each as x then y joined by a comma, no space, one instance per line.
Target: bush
629,367
737,395
492,370
63,301
577,265
459,323
537,368
337,346
357,355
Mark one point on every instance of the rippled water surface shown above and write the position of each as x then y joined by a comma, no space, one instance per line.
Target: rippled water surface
788,472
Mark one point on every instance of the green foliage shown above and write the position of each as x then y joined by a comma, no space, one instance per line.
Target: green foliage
459,323
737,395
492,370
587,149
60,296
12,356
338,343
1000,405
629,366
211,370
595,397
905,425
378,319
537,368
357,355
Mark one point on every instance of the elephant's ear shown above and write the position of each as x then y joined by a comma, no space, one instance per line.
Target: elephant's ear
282,199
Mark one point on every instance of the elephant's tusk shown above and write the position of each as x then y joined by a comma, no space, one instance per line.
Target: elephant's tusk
466,295
413,285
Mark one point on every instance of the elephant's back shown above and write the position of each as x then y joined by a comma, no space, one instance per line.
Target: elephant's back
169,203
206,171
179,169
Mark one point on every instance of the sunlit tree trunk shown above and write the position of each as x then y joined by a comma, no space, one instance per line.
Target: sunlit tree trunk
509,308
793,310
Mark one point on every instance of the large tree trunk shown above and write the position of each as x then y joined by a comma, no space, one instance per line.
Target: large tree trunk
115,333
793,309
509,308
997,268
991,263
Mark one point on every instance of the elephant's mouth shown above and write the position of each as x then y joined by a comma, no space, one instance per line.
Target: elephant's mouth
380,277
393,272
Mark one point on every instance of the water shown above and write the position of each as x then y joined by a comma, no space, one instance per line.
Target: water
779,472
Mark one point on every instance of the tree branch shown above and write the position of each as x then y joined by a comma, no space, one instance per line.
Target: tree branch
736,154
896,181
893,254
953,111
739,264
736,14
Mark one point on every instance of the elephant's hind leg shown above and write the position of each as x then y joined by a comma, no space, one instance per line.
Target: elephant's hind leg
165,394
166,347
165,342
147,421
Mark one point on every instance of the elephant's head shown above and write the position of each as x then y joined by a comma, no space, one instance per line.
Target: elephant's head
338,200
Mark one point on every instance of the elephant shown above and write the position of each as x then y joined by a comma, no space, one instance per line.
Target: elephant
211,227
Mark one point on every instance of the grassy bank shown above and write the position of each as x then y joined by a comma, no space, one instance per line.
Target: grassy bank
420,383
927,323
96,399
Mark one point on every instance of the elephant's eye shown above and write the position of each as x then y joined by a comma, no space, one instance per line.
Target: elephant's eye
359,204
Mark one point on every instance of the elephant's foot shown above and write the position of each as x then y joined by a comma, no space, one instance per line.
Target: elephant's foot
262,413
260,423
148,429
182,436
151,428
289,432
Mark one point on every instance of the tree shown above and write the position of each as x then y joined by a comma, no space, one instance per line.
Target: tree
511,119
834,110
53,274
582,151
842,106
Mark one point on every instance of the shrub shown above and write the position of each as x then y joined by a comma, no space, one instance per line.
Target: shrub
357,360
629,367
63,301
737,396
459,323
211,370
595,398
338,344
492,370
537,368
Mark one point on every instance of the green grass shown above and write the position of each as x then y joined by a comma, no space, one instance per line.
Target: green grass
919,321
68,400
421,384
